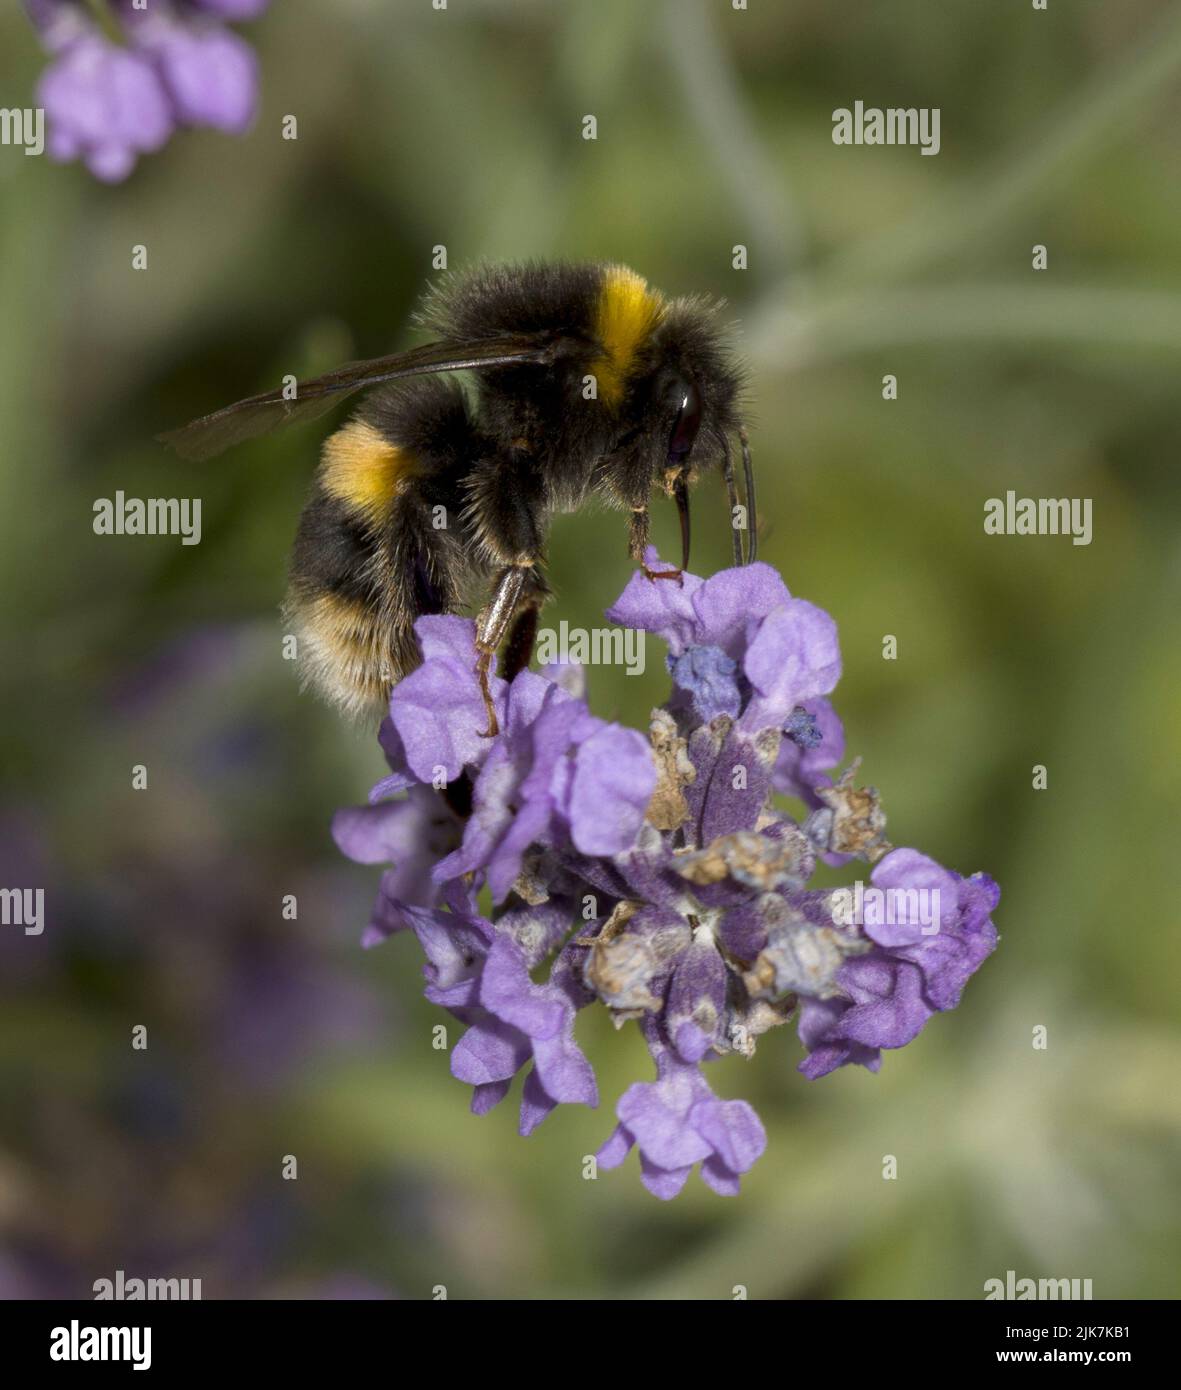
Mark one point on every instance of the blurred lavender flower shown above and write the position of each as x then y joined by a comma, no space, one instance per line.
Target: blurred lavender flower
658,874
208,72
109,100
104,105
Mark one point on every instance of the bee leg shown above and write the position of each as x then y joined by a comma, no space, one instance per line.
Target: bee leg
732,498
681,494
518,650
637,543
483,662
637,535
752,540
491,627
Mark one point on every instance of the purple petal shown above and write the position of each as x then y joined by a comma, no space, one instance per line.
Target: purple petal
733,1130
616,1149
488,1095
569,675
489,1051
734,802
656,1114
723,1180
664,1183
388,914
535,1104
508,992
105,105
661,606
965,935
438,710
564,1072
906,871
696,997
793,657
889,1007
211,76
443,637
410,834
454,946
614,778
730,601
820,1029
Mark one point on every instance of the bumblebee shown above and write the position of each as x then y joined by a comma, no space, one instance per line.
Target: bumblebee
588,383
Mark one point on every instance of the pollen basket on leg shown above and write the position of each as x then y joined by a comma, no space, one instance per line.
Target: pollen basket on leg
626,314
361,468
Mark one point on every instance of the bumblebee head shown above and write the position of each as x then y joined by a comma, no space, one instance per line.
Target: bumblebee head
692,388
689,399
686,427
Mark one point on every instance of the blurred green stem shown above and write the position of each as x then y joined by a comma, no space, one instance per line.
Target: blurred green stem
764,206
979,205
793,327
786,338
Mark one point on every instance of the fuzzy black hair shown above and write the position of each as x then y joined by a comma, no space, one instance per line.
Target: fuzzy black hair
530,297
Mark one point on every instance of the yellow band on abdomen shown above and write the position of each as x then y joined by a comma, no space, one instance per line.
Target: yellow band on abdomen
363,469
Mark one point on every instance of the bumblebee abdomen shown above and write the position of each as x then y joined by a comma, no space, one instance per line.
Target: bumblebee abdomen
364,471
368,557
350,642
346,649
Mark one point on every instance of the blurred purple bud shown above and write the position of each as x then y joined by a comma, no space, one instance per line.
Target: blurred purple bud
105,106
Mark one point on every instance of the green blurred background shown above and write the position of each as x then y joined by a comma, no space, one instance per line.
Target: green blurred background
270,1037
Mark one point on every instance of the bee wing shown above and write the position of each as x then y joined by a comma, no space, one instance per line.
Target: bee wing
209,435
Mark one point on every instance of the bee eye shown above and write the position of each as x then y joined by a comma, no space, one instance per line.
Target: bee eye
687,423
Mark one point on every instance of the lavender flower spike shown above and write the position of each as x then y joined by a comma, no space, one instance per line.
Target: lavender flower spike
107,102
209,73
658,875
103,104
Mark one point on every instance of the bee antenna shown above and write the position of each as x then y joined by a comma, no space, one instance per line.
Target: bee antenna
752,512
732,494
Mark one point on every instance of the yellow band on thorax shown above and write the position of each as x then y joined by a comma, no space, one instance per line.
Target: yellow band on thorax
626,314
